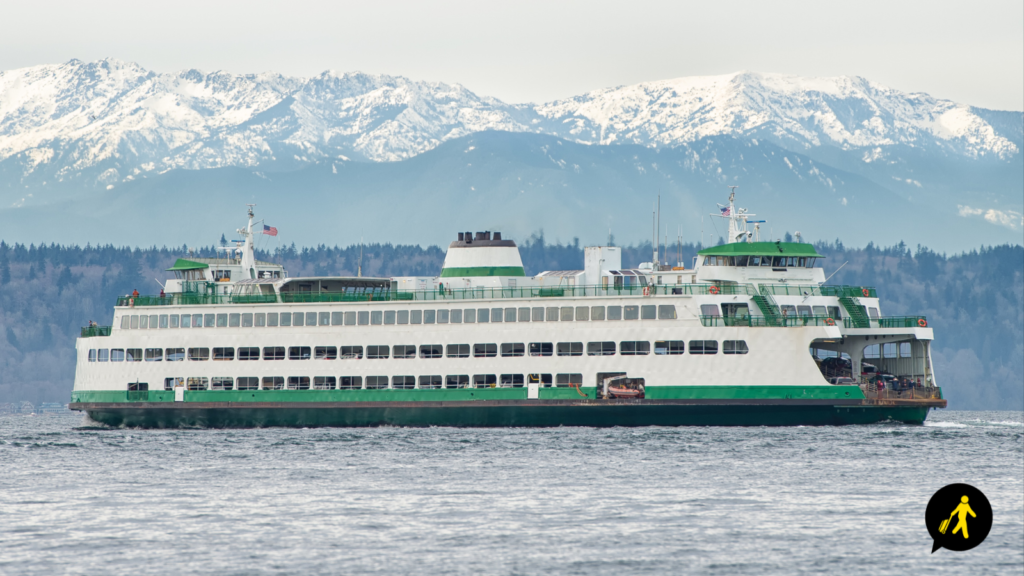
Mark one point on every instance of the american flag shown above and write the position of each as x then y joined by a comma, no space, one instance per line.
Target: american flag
725,210
269,230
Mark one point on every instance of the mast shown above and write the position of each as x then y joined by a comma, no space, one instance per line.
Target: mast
248,250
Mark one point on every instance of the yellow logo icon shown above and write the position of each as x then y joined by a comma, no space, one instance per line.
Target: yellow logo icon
963,509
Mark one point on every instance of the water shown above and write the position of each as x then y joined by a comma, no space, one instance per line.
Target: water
76,499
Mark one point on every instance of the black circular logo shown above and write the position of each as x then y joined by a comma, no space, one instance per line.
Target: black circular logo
958,517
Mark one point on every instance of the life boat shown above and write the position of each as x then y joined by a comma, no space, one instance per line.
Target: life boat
616,392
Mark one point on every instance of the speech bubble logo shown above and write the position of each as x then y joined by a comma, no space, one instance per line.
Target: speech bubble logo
958,518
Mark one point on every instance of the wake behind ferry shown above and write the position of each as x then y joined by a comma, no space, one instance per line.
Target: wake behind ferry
748,335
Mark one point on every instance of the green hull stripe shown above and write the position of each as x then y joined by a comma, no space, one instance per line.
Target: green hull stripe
483,271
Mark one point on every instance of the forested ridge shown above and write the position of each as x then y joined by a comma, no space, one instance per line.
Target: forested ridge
973,300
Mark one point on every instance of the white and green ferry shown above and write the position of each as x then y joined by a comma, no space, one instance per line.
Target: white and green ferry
748,335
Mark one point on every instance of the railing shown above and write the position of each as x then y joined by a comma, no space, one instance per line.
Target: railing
762,322
805,290
892,322
90,331
916,393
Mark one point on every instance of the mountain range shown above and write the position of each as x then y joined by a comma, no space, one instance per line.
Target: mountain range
86,144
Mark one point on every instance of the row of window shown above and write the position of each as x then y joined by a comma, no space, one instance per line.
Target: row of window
769,261
387,317
374,382
506,350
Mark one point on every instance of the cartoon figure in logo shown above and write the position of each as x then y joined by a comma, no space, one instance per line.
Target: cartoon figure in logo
963,509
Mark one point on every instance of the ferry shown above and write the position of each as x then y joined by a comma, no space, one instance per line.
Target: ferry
750,334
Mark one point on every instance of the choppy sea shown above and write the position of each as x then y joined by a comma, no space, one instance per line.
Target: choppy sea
77,498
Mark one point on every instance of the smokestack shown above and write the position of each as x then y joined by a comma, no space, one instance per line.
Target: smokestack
462,236
497,235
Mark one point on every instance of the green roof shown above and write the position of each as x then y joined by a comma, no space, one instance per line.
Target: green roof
183,264
761,249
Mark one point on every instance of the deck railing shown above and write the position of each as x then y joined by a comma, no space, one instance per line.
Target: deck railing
806,290
90,331
761,322
893,322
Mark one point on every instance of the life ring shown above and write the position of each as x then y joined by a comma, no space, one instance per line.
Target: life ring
830,322
647,290
865,292
922,322
131,302
713,290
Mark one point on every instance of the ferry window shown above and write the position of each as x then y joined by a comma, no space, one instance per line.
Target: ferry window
337,318
152,321
551,314
540,348
350,383
222,383
234,320
766,261
470,316
311,319
538,314
125,322
286,319
668,347
485,350
429,316
703,347
208,320
175,354
484,381
117,355
296,318
325,353
803,310
456,381
403,317
351,352
325,318
273,352
510,314
666,312
889,350
570,349
133,354
350,318
154,354
511,381
248,383
403,382
734,347
92,355
197,383
431,351
431,382
261,319
873,313
819,311
648,312
298,382
597,312
483,315
271,319
740,260
754,261
524,314
135,322
788,310
631,312
376,382
629,348
103,355
273,383
512,350
363,318
173,320
615,312
376,317
544,380
582,313
404,351
709,310
496,314
833,312
186,320
458,350
298,353
196,354
567,314
223,353
143,322
170,383
417,317
456,316
563,380
601,348
389,317
324,382
904,351
442,316
222,321
377,352
249,353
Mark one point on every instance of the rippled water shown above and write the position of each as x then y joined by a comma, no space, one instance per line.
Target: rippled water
80,499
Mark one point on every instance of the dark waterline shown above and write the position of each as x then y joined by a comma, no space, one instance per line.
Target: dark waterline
80,499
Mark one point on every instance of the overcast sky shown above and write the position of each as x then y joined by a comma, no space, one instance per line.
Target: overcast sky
532,51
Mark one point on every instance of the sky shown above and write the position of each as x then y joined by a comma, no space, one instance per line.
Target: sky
538,51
